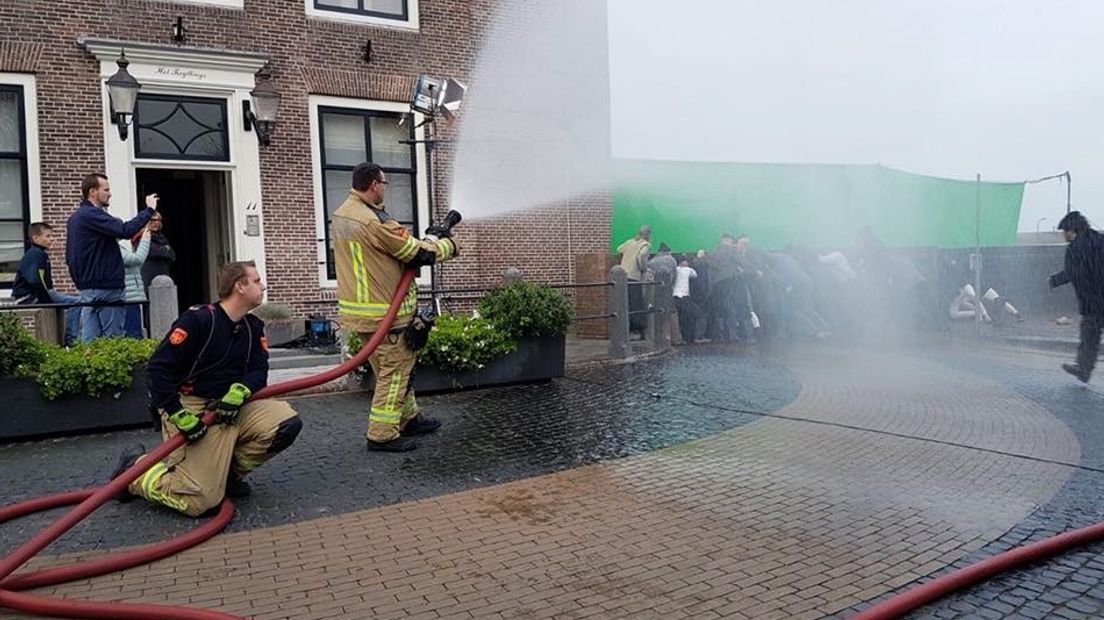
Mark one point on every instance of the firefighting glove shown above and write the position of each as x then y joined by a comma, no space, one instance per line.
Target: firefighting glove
229,406
189,425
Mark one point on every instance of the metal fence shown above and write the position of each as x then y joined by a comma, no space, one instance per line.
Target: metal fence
655,303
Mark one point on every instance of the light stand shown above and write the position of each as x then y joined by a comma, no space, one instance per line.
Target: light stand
430,97
430,141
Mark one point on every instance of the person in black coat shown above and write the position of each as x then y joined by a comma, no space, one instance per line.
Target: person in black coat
1084,269
161,255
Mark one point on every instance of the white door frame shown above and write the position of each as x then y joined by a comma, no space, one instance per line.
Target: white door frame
193,72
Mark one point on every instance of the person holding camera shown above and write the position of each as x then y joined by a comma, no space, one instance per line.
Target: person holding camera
92,254
371,252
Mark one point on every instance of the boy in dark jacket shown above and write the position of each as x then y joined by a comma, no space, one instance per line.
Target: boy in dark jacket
92,254
34,281
1084,269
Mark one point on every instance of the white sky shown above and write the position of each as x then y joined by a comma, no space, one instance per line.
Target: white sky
1012,89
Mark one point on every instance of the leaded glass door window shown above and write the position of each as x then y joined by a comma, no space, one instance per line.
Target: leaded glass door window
171,127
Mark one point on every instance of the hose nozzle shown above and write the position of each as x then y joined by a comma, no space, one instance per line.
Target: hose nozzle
451,219
444,229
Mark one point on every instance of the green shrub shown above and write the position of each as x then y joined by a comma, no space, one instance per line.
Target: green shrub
527,309
456,344
20,352
352,346
104,365
464,344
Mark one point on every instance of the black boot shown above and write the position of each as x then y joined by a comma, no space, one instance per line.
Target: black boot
421,425
1077,371
126,460
398,444
236,487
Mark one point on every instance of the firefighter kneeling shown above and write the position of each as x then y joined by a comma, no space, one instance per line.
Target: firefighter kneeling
371,251
216,352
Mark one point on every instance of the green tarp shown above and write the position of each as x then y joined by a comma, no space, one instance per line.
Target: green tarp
690,204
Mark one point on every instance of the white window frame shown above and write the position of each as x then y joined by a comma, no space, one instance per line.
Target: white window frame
420,176
410,23
30,129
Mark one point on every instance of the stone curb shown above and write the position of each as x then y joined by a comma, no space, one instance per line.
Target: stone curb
342,384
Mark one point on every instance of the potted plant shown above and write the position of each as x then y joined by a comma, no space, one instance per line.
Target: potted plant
53,390
280,327
517,337
537,316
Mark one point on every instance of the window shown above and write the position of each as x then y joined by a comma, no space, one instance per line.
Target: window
191,128
398,13
14,187
347,137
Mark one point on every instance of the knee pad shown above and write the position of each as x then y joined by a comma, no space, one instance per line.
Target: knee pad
286,433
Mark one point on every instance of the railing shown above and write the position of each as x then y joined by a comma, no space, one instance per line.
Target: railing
654,303
440,298
50,321
161,309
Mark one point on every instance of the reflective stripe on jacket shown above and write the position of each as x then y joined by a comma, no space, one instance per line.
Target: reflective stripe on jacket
371,251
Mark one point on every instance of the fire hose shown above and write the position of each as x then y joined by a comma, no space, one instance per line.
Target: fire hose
88,500
921,595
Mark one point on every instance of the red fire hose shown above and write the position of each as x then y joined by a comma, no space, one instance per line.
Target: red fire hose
922,595
91,499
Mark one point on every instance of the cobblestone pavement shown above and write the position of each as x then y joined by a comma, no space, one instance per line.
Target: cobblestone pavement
1069,586
881,471
489,436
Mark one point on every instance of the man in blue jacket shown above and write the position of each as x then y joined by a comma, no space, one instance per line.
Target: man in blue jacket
92,253
34,282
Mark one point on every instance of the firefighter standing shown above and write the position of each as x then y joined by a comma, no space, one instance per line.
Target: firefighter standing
371,251
214,352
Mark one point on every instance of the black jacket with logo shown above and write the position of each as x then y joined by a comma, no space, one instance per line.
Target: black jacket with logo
203,354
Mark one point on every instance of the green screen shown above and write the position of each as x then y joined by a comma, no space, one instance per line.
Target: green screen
690,204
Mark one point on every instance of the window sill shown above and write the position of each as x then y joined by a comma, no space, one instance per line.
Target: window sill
410,24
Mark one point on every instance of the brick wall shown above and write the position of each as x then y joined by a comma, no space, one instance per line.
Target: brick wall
308,56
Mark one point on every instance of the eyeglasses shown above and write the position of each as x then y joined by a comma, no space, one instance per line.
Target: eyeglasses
381,182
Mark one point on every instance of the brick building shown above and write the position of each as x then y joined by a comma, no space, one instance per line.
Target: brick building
344,70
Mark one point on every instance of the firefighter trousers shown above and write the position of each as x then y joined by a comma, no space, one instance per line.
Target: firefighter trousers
193,479
393,403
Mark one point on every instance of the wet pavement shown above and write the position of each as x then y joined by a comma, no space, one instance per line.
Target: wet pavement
801,484
488,437
1070,585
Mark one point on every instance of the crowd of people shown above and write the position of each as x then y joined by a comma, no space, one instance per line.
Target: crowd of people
109,261
738,292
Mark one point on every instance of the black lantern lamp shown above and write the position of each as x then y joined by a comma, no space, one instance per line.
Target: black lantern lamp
179,32
122,91
262,113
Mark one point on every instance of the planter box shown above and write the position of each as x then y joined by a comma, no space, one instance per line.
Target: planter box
536,359
283,331
28,415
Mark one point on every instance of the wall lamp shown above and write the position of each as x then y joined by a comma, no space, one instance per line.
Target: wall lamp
179,32
265,101
122,93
